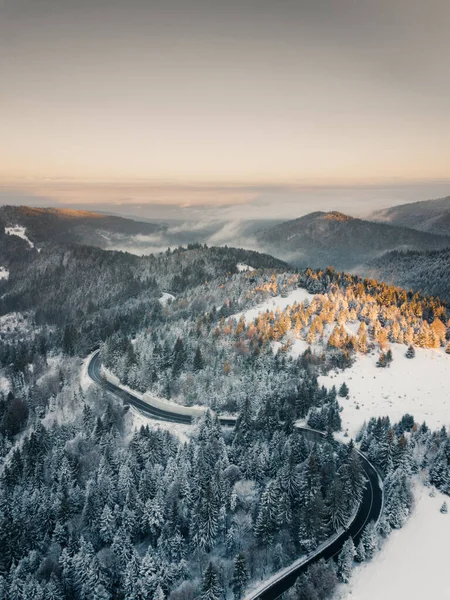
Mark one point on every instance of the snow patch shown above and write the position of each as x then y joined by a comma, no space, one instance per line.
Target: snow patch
20,232
413,562
166,297
4,273
418,386
5,385
242,267
296,296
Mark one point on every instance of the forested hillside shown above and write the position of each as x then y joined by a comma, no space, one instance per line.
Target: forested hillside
91,508
428,215
88,293
428,272
182,355
64,226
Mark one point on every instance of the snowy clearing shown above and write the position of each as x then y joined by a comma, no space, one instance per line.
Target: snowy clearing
20,232
413,562
418,386
4,273
166,297
281,302
241,267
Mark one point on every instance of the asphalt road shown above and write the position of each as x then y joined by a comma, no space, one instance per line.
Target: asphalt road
369,509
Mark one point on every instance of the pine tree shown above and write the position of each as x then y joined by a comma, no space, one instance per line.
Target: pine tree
389,358
360,555
382,362
444,508
343,390
410,353
337,502
211,587
107,525
178,357
240,576
159,594
369,540
345,560
198,360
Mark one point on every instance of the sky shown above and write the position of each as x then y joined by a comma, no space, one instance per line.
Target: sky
287,103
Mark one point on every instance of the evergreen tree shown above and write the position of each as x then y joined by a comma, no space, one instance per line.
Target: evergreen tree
345,560
360,555
211,587
178,357
410,353
369,540
343,390
240,576
198,360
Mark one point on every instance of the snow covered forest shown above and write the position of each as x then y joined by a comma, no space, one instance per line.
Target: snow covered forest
346,316
93,508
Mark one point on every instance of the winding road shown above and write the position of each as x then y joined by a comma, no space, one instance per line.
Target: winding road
369,510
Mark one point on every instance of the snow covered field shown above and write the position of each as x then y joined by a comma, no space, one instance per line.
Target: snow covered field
414,561
20,232
418,386
281,302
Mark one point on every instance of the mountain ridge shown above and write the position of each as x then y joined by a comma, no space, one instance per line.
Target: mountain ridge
432,216
320,239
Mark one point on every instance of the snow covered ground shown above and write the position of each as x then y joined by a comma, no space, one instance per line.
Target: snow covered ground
281,302
5,385
20,232
166,297
241,267
414,561
418,386
4,273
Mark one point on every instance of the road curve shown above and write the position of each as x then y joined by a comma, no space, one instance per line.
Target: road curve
154,412
369,509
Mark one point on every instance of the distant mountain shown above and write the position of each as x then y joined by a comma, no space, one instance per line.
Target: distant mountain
111,232
45,225
432,216
320,239
427,272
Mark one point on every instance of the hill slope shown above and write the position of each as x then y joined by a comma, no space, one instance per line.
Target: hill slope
44,225
320,239
429,215
428,272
